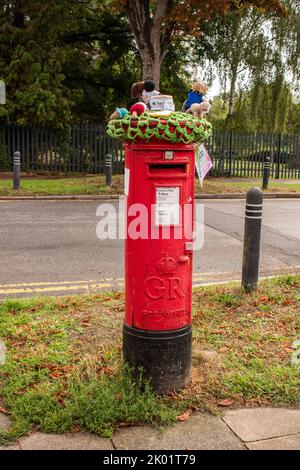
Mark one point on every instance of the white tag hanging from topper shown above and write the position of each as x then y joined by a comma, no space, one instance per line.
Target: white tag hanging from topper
203,163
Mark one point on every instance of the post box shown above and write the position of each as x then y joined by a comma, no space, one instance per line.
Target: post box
159,190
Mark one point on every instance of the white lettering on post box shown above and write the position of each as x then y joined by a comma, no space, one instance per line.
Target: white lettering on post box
167,207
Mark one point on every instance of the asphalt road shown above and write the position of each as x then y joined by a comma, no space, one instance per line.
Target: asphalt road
51,247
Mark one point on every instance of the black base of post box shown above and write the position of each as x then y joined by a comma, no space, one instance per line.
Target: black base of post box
164,356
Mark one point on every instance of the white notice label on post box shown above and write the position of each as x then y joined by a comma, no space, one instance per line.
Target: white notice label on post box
126,181
167,205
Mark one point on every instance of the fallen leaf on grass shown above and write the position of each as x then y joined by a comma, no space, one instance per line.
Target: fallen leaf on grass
104,370
225,349
56,367
287,348
258,313
286,291
76,429
185,416
34,309
61,305
60,397
226,402
55,375
253,402
126,425
174,396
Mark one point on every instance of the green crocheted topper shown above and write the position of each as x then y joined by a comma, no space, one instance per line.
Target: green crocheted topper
178,127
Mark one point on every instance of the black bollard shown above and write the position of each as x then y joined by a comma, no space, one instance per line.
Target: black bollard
266,175
17,170
108,169
253,221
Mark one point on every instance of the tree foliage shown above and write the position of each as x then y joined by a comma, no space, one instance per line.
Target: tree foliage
157,24
254,111
62,59
257,52
66,60
31,61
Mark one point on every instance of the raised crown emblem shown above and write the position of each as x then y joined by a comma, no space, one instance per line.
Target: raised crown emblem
166,265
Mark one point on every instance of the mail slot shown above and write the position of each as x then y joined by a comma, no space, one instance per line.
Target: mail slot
167,170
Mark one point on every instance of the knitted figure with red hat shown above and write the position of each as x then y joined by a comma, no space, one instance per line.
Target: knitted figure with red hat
137,109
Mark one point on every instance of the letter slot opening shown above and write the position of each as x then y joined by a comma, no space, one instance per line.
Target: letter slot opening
167,169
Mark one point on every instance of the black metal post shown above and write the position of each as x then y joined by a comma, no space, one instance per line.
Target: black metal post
230,152
17,170
253,221
108,169
278,157
266,175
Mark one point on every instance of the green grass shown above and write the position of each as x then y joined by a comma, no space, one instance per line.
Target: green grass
250,380
225,186
93,185
62,186
253,334
60,376
64,359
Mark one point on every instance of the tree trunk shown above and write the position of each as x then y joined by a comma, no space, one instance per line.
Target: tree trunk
151,68
147,29
232,94
228,121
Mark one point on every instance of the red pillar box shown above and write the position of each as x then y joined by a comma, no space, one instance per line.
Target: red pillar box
159,190
158,265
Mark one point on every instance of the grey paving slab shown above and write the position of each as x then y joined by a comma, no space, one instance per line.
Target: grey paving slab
200,432
4,422
279,443
263,423
78,441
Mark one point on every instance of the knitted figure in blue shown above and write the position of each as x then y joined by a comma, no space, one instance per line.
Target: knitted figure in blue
196,94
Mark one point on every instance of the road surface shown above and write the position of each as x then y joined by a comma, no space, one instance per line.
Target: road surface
51,247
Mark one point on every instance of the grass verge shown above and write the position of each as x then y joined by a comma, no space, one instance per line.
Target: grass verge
63,370
81,185
93,185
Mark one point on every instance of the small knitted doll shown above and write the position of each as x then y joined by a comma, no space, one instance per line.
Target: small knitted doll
199,110
137,90
196,94
119,113
149,91
137,109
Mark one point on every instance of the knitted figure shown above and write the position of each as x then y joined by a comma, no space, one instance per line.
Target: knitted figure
149,91
119,113
137,90
199,109
137,109
196,94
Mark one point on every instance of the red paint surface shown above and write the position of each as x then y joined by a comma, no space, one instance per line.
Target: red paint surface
158,272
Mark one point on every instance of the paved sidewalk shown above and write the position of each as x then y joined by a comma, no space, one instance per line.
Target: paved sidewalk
249,428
